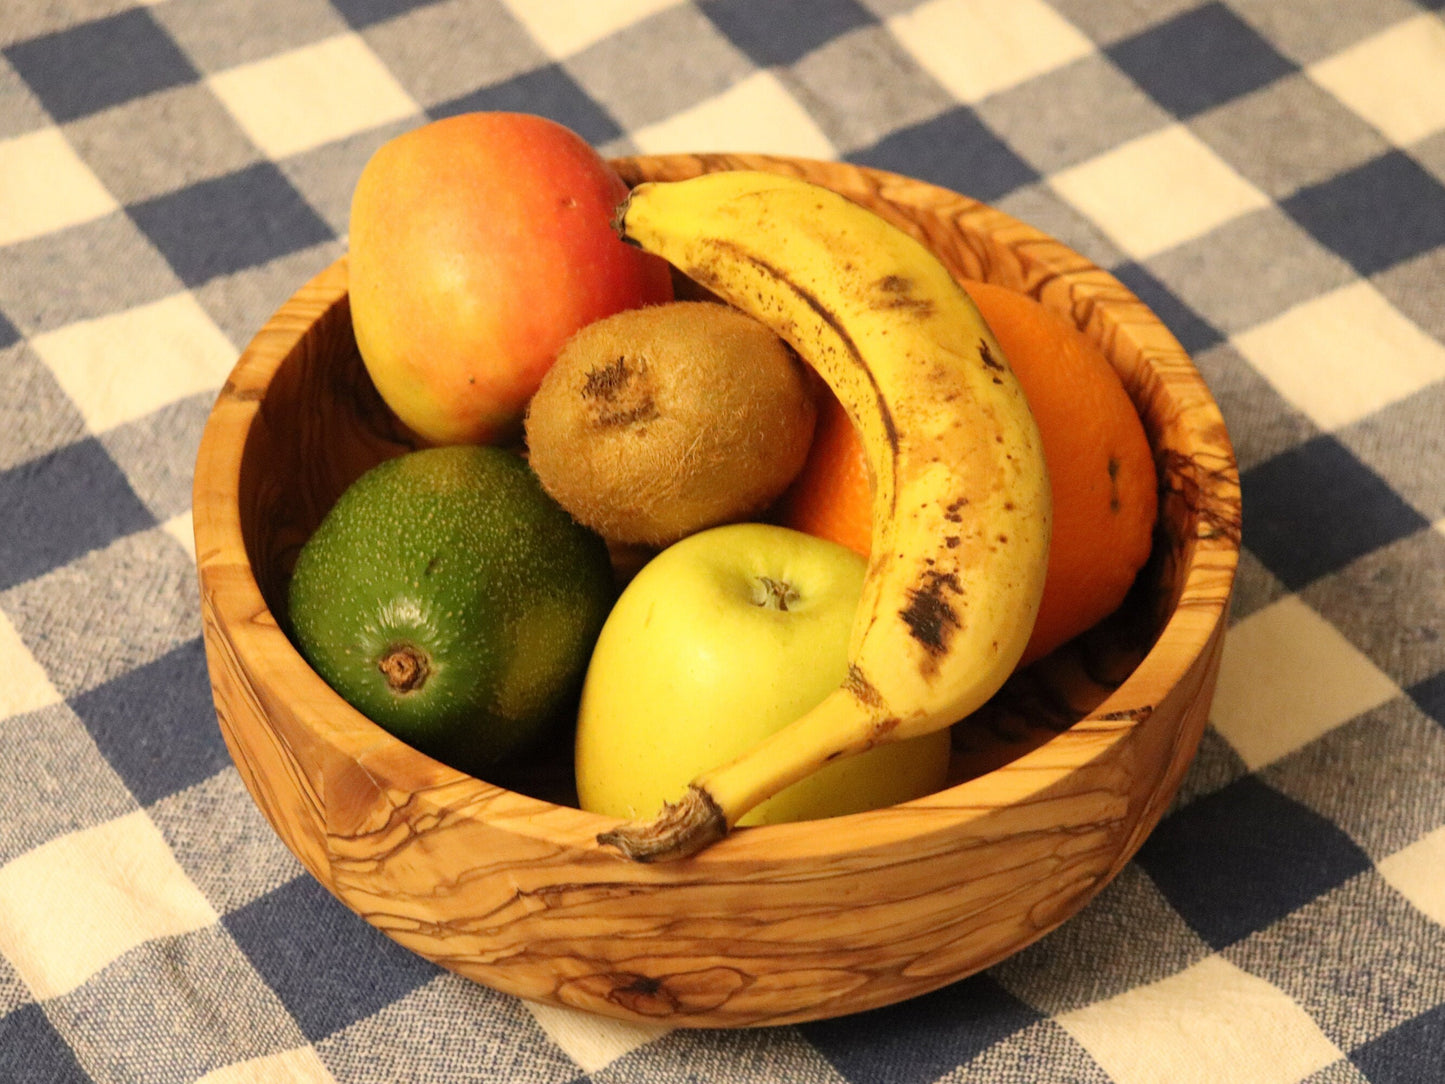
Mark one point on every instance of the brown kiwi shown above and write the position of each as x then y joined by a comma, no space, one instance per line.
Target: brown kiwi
661,421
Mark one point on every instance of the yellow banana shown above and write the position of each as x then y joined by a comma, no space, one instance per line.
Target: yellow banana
961,511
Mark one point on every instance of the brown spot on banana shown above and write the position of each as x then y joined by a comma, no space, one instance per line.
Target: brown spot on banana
825,314
861,689
878,732
953,511
882,728
894,293
931,616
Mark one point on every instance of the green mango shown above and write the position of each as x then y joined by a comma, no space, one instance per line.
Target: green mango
453,602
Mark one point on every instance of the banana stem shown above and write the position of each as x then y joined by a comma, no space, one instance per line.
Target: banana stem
838,726
682,828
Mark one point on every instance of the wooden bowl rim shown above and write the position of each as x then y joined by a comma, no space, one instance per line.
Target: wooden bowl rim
1187,633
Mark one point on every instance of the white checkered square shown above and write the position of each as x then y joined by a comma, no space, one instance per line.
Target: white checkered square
317,94
1395,80
183,529
122,366
978,47
1209,1023
400,1042
26,686
44,187
1344,355
593,1042
300,1066
221,839
1158,191
755,114
1287,677
109,888
565,27
1417,872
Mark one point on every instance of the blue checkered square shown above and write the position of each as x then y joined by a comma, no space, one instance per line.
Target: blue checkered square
549,91
1412,1053
954,150
325,964
170,752
1200,59
364,13
256,210
1315,508
98,64
1429,695
921,1040
773,34
31,1052
1344,212
62,505
1239,859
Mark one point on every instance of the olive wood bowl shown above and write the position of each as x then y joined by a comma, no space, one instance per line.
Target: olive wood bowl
1056,783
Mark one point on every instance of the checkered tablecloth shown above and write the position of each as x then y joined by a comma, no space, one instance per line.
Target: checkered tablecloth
1268,174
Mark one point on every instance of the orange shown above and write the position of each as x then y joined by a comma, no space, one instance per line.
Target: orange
1101,470
831,497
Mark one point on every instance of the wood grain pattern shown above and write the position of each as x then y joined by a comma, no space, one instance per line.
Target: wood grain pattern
1056,784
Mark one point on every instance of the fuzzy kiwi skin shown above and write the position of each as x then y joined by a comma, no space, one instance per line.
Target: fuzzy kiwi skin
661,421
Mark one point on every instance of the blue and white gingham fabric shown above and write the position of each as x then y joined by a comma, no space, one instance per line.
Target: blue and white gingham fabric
1268,174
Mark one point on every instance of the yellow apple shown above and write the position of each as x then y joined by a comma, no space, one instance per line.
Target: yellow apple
721,639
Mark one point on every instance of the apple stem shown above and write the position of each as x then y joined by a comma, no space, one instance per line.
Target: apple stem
682,828
405,668
774,594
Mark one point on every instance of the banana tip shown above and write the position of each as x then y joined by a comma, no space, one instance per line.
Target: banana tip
619,219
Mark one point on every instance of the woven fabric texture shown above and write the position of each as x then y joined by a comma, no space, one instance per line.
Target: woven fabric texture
1268,176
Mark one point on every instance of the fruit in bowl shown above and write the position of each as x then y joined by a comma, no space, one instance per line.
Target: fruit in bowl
960,486
772,924
658,422
1101,469
719,642
478,245
448,598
